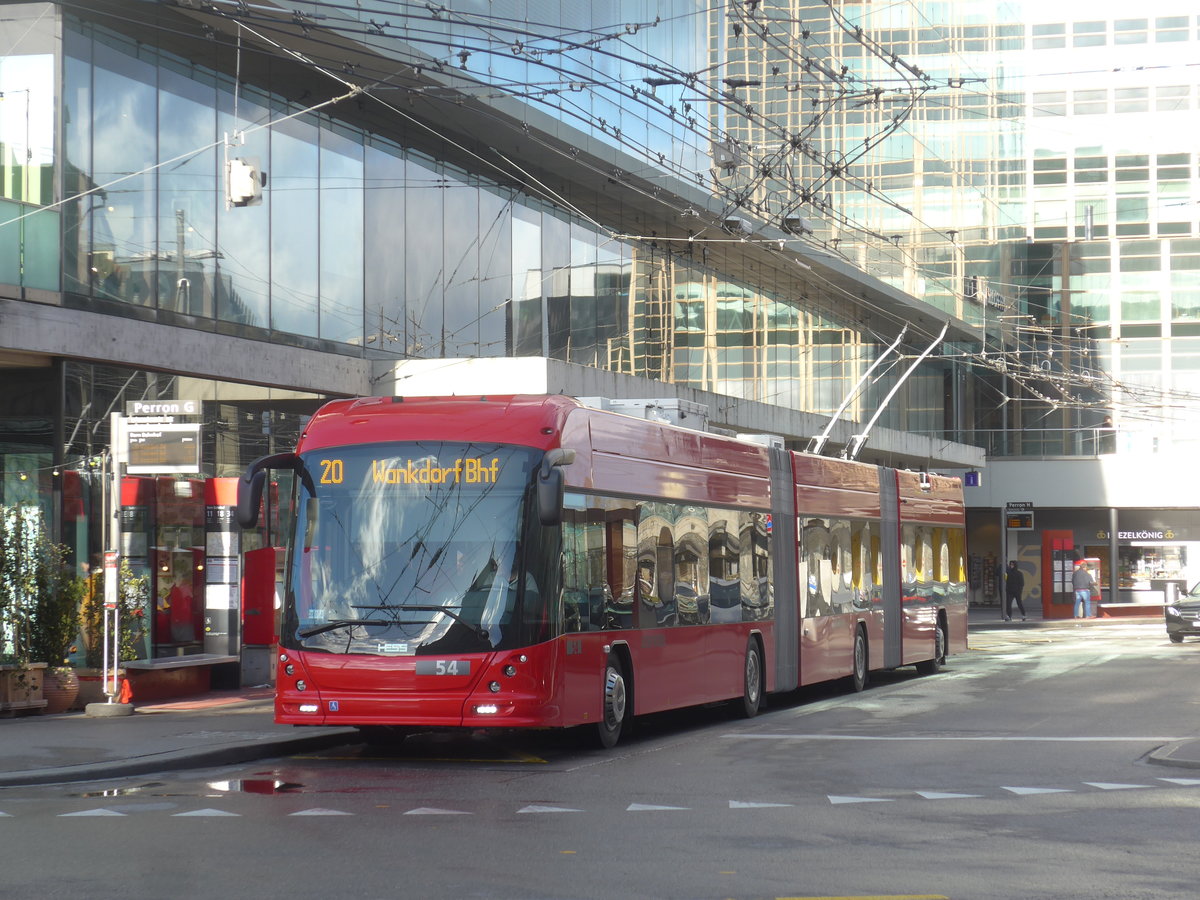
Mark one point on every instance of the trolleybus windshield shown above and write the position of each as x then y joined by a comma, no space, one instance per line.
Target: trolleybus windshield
408,548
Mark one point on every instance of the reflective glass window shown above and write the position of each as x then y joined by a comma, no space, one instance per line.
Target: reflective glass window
295,218
384,248
124,151
424,280
29,237
527,319
495,270
1172,98
556,284
80,206
187,193
460,310
341,224
1129,31
243,232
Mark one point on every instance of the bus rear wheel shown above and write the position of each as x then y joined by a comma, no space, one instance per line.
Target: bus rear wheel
614,706
862,668
752,672
933,666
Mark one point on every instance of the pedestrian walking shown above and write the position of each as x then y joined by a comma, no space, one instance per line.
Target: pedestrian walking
1014,587
1083,583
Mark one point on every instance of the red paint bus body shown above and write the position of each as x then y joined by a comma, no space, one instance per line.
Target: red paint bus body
676,567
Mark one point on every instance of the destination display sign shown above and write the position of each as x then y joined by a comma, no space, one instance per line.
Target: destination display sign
163,449
461,470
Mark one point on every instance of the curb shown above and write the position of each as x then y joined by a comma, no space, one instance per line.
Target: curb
176,760
1169,755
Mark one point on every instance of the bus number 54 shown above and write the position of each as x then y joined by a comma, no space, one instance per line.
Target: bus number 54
443,667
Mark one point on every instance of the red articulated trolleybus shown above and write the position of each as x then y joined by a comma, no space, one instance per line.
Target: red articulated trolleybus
532,562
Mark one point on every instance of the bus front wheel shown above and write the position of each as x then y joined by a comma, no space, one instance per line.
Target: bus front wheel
614,707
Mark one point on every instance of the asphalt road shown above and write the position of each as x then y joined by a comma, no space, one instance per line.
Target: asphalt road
1018,772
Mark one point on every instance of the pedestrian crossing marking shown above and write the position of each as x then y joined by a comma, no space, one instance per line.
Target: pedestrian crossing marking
536,809
739,804
645,807
1034,790
942,795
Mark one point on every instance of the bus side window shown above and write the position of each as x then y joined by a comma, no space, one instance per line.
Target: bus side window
574,569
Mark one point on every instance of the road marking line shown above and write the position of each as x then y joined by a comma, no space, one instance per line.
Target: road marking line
1184,781
205,812
320,811
1109,786
432,811
91,812
950,737
838,800
547,809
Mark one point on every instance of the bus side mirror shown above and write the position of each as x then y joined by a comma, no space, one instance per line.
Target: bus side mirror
550,485
250,485
249,497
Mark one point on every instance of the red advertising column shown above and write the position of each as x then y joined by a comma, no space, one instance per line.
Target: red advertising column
258,615
258,597
1058,564
222,588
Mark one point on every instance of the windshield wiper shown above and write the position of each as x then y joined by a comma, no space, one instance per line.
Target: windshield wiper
478,629
340,623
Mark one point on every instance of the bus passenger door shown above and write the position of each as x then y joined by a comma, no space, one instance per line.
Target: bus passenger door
889,543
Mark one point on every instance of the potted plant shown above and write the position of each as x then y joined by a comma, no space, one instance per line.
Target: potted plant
20,677
57,597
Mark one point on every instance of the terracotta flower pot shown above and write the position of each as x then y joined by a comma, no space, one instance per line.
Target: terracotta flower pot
60,688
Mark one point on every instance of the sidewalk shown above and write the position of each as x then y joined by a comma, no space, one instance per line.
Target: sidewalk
216,729
229,727
990,620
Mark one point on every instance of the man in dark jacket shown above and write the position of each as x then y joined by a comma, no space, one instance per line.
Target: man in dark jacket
1014,586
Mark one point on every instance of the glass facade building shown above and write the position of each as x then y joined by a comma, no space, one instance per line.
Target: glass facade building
1039,158
746,199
